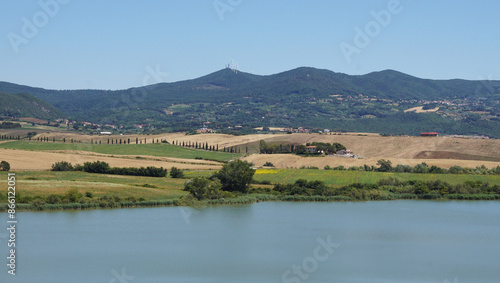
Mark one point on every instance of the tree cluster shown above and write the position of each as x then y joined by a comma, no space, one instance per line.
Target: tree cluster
302,187
102,167
234,177
392,188
326,148
9,125
422,168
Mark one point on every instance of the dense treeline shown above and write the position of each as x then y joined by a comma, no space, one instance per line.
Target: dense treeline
9,125
104,168
321,148
392,188
422,168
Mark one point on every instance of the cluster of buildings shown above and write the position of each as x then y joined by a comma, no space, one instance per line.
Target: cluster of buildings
88,124
297,130
341,153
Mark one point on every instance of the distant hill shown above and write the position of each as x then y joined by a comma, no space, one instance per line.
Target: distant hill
26,105
302,97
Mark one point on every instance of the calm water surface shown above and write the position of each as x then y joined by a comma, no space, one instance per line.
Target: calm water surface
396,241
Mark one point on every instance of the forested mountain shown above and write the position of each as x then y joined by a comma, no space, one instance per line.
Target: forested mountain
303,97
26,105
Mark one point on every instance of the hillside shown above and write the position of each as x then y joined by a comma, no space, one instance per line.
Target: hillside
440,151
302,97
26,105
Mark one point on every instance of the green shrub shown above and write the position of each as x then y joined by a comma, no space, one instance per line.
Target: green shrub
4,166
203,188
62,166
96,167
78,167
176,173
73,195
53,199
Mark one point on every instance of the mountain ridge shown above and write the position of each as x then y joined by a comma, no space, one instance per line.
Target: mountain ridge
303,96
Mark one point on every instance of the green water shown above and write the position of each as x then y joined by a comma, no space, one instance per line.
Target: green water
396,241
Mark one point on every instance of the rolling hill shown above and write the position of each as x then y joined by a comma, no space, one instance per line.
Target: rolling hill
26,105
302,97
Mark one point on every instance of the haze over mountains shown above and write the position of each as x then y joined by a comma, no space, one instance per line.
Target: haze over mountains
302,97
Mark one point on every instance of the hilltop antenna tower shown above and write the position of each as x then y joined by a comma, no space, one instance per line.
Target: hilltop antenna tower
233,66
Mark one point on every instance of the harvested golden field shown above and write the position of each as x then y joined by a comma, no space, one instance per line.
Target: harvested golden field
398,147
221,139
43,160
442,151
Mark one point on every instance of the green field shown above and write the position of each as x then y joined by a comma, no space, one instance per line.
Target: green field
44,183
342,178
157,149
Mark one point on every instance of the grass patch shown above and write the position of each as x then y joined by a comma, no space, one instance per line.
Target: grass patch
343,178
157,149
43,183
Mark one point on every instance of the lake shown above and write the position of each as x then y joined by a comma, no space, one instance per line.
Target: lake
383,241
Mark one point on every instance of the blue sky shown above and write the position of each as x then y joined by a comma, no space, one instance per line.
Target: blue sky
77,44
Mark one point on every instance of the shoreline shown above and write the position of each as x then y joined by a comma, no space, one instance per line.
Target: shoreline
249,199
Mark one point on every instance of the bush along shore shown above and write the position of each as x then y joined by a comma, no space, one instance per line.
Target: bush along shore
301,190
231,185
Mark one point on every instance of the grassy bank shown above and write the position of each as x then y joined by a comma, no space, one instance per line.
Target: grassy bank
34,188
157,149
343,178
83,206
33,184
